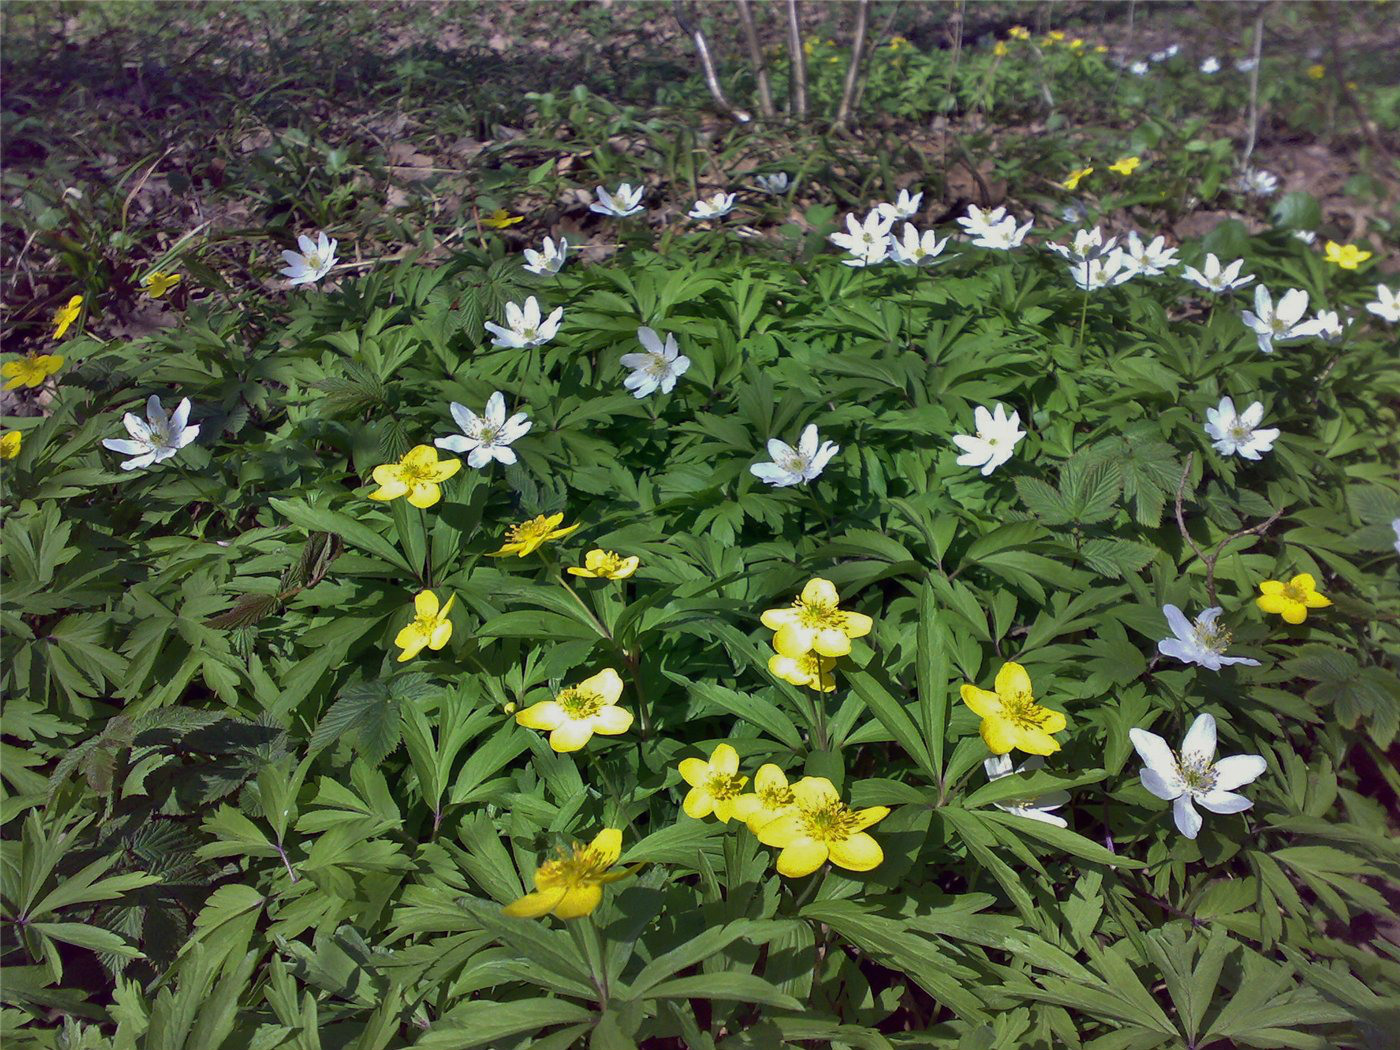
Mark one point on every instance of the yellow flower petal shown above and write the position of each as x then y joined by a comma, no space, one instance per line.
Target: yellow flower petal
611,721
579,901
859,852
802,858
607,844
694,771
697,803
1012,678
983,703
545,715
725,760
534,905
607,683
571,736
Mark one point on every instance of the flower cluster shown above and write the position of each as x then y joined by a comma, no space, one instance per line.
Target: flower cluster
811,634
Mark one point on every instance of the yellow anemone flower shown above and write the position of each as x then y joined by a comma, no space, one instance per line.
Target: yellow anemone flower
1100,49
1076,44
1019,33
820,828
500,219
429,629
599,564
1000,49
1317,72
158,283
1056,34
1293,599
529,536
811,670
579,711
1010,716
30,370
1077,176
897,42
66,315
1347,256
1125,165
814,623
571,885
10,444
771,798
416,476
714,785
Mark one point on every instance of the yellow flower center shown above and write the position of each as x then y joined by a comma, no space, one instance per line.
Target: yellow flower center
527,531
1197,772
580,703
820,615
1212,636
723,786
413,472
1294,593
579,868
657,366
831,822
609,564
313,260
775,797
1021,708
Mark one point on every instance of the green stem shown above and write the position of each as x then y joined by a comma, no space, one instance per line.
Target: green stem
427,551
630,658
1083,311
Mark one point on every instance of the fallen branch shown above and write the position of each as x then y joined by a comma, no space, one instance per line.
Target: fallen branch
707,66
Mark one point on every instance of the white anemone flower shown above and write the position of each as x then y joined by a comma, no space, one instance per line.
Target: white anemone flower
487,436
622,202
868,241
916,249
1327,326
1138,68
313,262
996,439
1210,65
775,183
1256,182
904,207
1306,236
1386,305
1002,236
157,437
526,327
1037,808
1395,525
1239,434
549,260
716,207
1275,324
1203,642
1245,65
1149,258
977,222
1093,274
656,369
1087,244
795,466
1216,278
1193,775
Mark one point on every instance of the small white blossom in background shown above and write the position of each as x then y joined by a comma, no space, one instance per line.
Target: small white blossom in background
995,229
905,207
1193,775
1306,236
1245,65
1395,525
624,201
1138,69
1238,434
776,183
1386,305
1166,53
1327,326
868,242
1210,65
549,260
1092,274
1203,642
487,436
1074,213
1273,324
656,369
996,439
157,437
1087,244
526,327
716,207
1257,183
1217,278
1037,808
916,249
1151,258
795,466
313,262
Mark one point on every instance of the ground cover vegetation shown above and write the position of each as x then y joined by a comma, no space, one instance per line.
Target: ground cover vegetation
490,562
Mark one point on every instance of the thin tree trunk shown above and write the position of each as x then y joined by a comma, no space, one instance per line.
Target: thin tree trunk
797,82
760,66
707,65
1254,91
848,91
